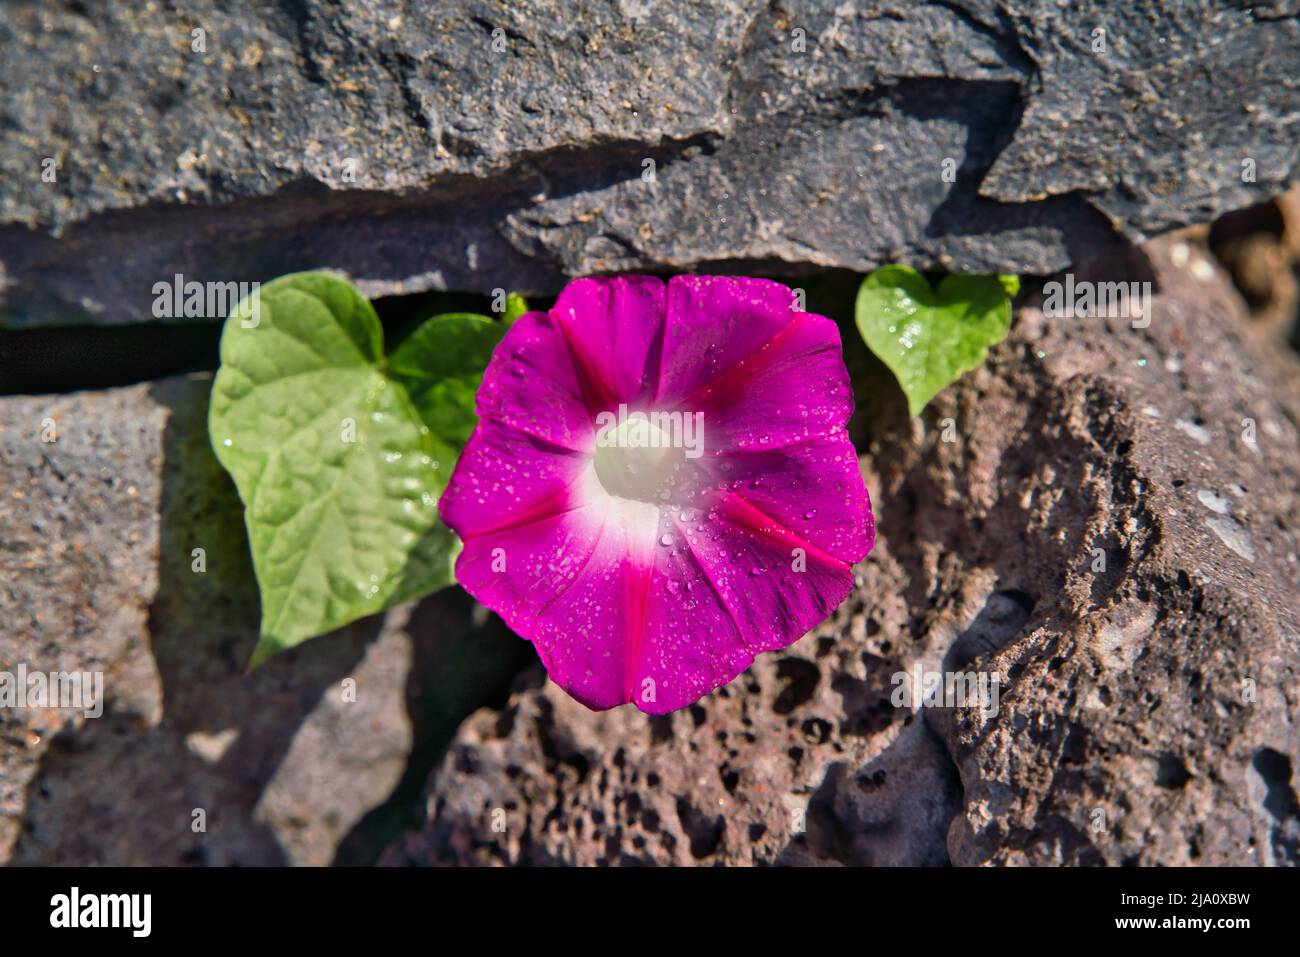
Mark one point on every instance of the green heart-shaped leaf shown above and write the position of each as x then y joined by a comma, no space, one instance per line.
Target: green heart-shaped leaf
929,337
516,306
441,364
338,465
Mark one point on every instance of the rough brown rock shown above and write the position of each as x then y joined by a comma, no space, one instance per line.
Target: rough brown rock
1148,705
97,531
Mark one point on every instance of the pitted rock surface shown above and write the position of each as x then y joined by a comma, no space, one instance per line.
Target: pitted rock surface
1103,517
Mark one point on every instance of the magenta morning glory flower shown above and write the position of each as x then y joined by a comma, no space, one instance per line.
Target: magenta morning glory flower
660,485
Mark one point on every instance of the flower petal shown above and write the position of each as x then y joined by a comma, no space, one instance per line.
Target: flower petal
794,388
614,328
691,644
730,585
531,384
506,477
576,585
713,323
813,488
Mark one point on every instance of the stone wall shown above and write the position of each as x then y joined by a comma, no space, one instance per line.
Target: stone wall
1102,516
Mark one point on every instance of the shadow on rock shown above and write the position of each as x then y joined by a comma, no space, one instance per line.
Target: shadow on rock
196,761
892,811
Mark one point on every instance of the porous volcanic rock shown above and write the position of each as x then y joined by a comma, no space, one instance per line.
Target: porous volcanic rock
1103,517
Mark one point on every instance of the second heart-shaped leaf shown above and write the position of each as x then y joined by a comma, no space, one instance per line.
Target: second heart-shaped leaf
929,337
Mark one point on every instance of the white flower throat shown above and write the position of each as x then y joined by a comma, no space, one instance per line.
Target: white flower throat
638,453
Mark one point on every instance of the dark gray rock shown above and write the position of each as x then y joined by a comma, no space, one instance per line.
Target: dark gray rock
1102,517
476,145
